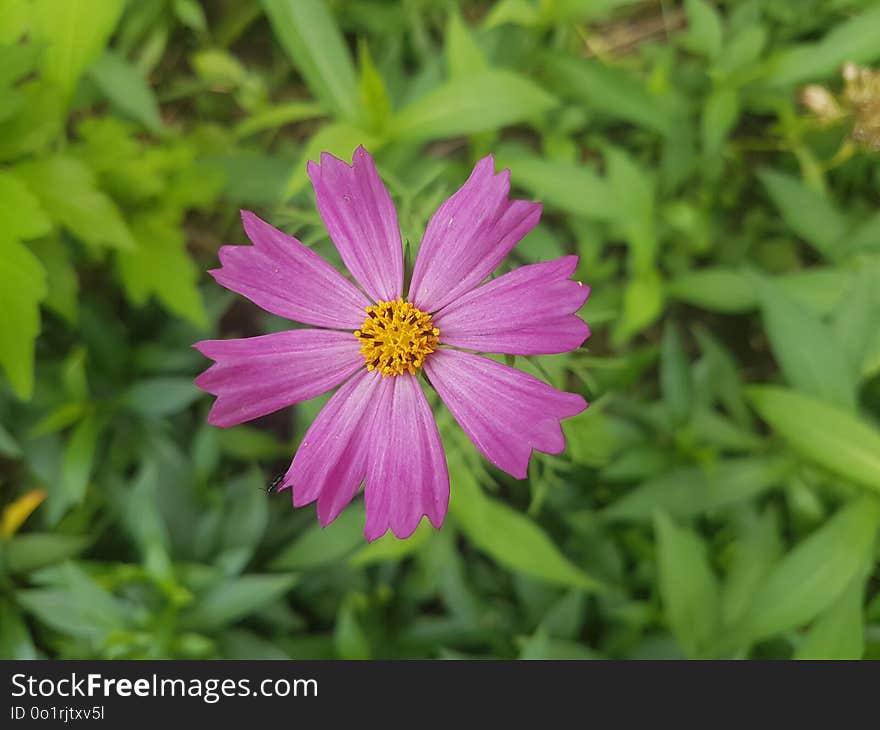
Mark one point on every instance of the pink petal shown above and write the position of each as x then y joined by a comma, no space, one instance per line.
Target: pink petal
286,278
505,412
331,461
406,474
259,375
361,220
526,312
469,235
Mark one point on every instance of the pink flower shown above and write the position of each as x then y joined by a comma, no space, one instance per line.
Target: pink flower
371,342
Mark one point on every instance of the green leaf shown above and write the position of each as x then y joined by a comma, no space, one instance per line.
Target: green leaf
374,96
24,287
15,638
249,444
246,514
61,277
163,396
482,101
806,348
21,215
233,599
687,585
753,555
277,116
633,191
575,189
76,31
704,31
717,289
509,537
309,34
76,605
814,574
692,491
389,547
821,433
463,55
613,92
126,89
76,467
319,546
854,40
66,189
855,322
159,266
339,140
31,551
675,376
720,114
811,215
839,632
642,304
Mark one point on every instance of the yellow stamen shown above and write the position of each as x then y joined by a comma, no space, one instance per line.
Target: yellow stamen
396,337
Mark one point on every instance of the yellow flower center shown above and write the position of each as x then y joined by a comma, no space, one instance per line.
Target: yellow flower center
396,337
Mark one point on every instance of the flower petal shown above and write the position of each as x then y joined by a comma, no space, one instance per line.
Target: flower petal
258,375
407,476
469,235
361,219
286,278
505,412
331,461
526,312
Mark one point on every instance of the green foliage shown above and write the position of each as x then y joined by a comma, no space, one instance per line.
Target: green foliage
719,499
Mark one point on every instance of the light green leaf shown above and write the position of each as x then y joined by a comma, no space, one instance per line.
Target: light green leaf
76,31
24,287
127,90
66,189
704,31
821,433
309,34
720,114
687,585
62,279
463,55
21,215
814,574
642,304
483,101
277,116
159,266
374,96
839,633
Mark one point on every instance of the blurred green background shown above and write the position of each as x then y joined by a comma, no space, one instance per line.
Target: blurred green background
715,166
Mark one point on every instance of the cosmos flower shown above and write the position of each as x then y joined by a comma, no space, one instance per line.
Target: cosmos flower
372,342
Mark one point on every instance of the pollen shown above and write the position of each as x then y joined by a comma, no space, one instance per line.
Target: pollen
396,337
